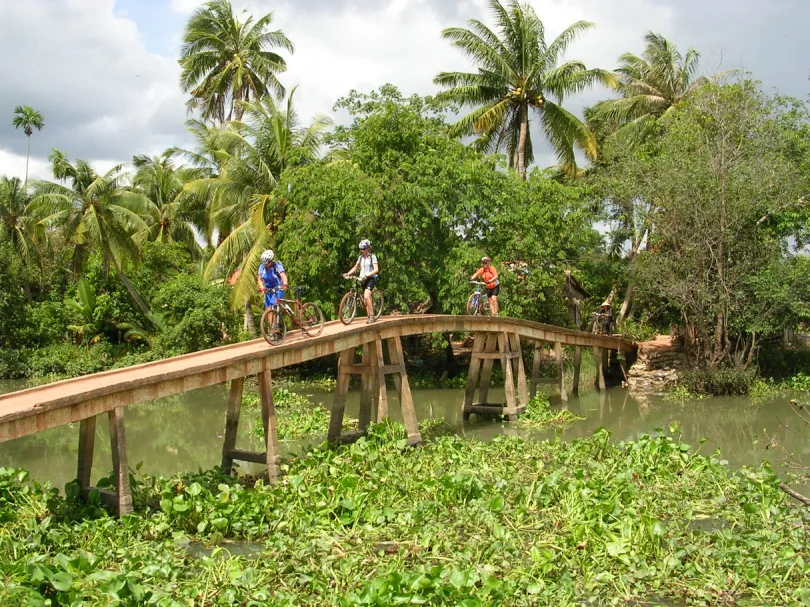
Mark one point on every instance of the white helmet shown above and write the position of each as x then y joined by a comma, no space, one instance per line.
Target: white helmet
364,244
268,256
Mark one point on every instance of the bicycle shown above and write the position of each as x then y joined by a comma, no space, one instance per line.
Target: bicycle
476,304
307,316
348,305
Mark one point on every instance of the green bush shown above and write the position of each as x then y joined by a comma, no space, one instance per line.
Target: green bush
197,316
718,382
781,363
68,360
13,364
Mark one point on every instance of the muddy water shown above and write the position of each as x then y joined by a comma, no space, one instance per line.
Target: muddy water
184,433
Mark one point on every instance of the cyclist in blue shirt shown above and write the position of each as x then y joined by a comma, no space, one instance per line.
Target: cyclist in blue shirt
271,276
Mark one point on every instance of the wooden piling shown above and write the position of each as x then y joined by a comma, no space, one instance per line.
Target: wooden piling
561,371
577,367
118,445
232,423
487,348
87,442
272,453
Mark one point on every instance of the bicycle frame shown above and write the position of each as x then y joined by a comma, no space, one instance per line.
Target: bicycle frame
279,309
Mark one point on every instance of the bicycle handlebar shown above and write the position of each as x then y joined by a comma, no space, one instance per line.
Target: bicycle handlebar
477,282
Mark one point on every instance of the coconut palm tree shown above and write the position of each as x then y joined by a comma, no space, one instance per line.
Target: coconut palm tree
649,86
27,119
251,155
519,74
96,212
226,61
174,214
16,225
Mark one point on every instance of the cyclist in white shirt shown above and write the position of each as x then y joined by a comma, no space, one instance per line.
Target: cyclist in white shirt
369,269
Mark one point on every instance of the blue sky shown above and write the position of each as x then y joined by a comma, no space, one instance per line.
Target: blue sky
105,73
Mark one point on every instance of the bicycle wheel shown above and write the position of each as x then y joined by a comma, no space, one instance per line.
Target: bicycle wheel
311,319
472,304
348,308
377,302
273,335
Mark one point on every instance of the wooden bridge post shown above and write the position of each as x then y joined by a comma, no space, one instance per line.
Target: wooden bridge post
577,366
367,382
397,369
599,382
345,362
373,371
271,456
272,453
232,423
118,444
536,361
483,356
87,443
520,370
561,371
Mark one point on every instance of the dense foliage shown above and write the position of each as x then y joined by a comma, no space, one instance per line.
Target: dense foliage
508,522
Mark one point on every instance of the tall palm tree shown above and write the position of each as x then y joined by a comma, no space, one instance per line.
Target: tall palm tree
16,224
518,73
649,86
174,214
28,119
96,212
252,155
226,61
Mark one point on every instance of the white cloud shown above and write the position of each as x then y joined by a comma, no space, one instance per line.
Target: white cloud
87,70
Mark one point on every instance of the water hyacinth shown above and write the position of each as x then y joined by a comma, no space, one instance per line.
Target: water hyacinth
453,522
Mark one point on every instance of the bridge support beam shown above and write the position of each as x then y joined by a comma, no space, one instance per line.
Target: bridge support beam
271,455
121,498
599,361
487,348
561,372
577,367
374,392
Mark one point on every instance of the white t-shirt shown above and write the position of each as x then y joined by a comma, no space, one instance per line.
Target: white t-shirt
366,265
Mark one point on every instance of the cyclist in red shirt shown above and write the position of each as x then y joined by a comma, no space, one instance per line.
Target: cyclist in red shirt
489,276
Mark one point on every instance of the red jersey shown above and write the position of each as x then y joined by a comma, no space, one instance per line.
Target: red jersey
489,275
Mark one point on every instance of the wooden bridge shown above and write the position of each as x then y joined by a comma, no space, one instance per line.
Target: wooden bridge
83,399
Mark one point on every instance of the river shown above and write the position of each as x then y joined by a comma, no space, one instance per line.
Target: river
184,433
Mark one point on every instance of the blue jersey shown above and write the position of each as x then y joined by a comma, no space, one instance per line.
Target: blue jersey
272,276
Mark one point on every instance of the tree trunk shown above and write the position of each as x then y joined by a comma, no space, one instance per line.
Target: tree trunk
522,139
250,322
628,294
719,331
27,158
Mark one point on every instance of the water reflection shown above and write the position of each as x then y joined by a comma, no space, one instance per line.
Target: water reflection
184,433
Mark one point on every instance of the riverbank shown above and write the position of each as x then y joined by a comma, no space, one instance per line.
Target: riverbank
504,522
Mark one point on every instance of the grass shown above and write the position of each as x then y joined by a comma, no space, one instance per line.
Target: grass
508,522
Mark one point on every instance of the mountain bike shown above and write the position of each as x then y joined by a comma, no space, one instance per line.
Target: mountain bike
307,316
348,305
603,323
478,303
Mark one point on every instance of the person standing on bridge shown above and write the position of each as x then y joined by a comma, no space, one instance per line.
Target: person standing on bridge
489,275
369,269
272,280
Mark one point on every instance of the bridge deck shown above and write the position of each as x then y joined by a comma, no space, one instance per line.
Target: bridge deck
36,409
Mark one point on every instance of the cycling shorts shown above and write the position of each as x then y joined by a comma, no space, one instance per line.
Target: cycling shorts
493,291
369,282
271,298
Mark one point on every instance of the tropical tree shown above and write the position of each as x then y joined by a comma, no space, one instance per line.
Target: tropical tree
174,213
27,119
252,155
96,212
649,86
518,73
16,225
226,61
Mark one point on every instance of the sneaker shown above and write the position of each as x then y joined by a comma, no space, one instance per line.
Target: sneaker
370,319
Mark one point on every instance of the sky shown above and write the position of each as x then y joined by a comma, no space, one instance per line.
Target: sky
104,73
